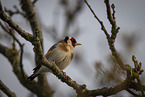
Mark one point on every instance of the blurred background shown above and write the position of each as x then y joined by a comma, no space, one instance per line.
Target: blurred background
93,64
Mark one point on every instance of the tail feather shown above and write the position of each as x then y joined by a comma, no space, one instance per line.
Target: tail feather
32,77
35,73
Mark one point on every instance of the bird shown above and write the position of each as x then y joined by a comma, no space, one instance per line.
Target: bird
61,53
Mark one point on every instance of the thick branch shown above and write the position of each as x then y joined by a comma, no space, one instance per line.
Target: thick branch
14,58
6,90
80,89
21,32
27,6
126,85
108,91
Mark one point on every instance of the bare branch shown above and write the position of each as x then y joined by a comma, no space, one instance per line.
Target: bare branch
111,18
108,91
8,20
131,92
109,14
27,6
101,23
17,11
35,39
6,90
21,60
113,8
128,83
14,59
11,32
136,72
41,59
110,39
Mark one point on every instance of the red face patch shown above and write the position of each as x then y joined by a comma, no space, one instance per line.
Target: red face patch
73,41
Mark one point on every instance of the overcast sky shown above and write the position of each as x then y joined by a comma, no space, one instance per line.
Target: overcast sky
130,18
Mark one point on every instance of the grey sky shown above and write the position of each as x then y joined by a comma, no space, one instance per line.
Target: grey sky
130,17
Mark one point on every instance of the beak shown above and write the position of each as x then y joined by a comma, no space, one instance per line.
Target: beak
77,44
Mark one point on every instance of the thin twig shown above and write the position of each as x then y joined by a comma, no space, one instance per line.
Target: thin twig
21,60
101,23
11,32
111,18
17,11
113,8
109,15
6,90
131,92
110,40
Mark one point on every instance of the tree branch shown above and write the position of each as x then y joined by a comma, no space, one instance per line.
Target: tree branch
6,90
21,32
111,18
41,59
113,8
109,15
111,39
128,83
101,23
131,92
108,91
10,31
80,89
27,6
17,11
14,58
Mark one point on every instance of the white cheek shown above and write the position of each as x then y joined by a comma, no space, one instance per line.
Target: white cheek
69,42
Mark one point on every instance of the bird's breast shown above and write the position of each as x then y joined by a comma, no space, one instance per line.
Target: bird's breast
61,58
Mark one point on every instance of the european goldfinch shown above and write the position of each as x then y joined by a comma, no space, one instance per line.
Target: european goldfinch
61,53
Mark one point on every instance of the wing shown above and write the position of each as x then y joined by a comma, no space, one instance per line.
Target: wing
47,56
51,49
49,53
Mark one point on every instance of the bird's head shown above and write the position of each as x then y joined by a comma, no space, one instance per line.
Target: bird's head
71,41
